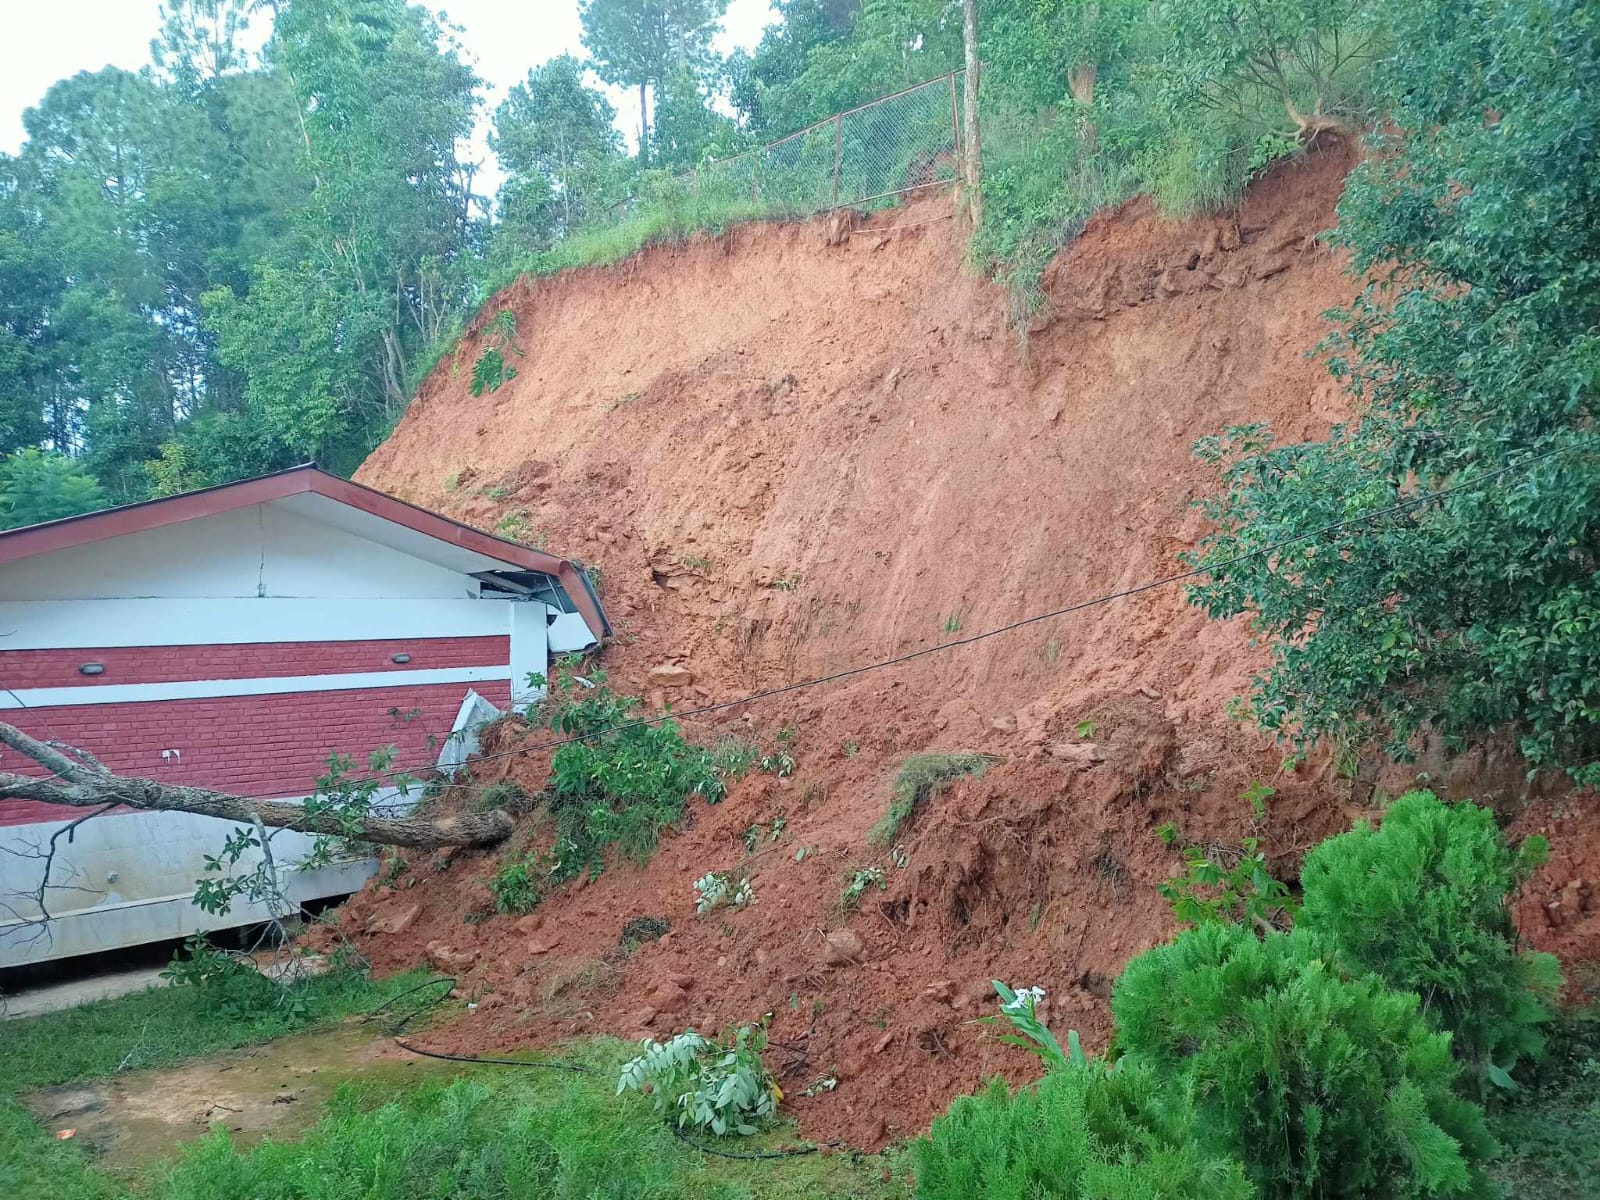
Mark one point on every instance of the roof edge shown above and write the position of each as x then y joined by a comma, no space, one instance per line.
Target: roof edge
89,528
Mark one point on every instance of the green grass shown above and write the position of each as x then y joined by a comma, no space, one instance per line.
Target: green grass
921,777
504,1132
156,1028
168,1025
497,1132
1550,1137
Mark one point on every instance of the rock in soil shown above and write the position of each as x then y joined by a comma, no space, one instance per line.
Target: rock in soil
843,948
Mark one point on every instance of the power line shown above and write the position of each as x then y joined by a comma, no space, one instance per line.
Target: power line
1013,626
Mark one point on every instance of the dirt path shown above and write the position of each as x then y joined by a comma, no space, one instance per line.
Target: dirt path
280,1089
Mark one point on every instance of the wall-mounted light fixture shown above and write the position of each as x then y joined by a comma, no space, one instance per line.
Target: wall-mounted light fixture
92,669
400,658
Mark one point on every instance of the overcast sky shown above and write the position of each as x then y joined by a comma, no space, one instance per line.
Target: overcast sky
42,41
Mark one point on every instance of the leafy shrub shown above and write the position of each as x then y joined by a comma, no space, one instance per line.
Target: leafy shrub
719,1087
722,889
624,782
519,886
40,485
781,762
1322,1086
1471,354
229,981
1227,885
1080,1133
491,370
921,777
1421,902
735,757
1551,1129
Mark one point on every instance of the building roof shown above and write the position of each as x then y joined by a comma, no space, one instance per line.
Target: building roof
313,492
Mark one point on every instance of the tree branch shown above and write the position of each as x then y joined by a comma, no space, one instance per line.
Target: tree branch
79,786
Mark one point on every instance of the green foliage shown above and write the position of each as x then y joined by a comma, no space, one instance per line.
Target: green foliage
518,886
735,757
1551,1130
1019,1007
491,369
781,760
861,880
177,469
343,799
260,241
722,889
624,782
1080,1133
1222,884
1422,902
717,1087
39,486
496,1132
1471,352
558,145
229,982
1321,1085
922,777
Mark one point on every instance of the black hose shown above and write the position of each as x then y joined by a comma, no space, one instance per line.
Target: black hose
552,1064
751,1155
448,980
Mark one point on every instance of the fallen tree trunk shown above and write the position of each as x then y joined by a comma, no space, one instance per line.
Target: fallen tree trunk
81,781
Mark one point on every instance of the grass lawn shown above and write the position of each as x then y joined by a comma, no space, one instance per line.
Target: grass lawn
493,1132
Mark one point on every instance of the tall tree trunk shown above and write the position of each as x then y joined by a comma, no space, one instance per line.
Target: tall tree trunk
644,127
972,148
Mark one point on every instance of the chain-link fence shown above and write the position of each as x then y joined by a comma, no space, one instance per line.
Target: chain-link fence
866,156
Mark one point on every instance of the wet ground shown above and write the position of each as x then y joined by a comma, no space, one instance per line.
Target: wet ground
280,1088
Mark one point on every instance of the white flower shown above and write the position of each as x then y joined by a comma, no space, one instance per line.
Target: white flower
1026,998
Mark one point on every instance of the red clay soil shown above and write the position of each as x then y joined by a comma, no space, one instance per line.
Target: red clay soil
794,449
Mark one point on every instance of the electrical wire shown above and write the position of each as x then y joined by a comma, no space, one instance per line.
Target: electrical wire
1011,627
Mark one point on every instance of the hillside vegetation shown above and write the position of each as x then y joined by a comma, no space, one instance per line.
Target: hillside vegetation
1253,854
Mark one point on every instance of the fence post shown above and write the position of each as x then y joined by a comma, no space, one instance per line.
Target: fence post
755,174
955,115
838,154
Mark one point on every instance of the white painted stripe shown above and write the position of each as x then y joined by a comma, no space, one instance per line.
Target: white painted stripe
199,689
65,624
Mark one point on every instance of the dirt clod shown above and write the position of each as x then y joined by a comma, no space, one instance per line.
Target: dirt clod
843,948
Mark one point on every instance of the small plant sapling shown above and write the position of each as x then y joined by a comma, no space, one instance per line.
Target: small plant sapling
1019,1006
860,881
718,1087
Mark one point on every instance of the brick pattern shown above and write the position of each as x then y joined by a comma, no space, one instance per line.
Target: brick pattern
249,745
259,660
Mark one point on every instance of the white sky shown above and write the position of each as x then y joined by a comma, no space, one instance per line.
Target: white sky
42,41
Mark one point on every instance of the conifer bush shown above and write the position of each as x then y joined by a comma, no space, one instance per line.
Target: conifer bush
1420,901
1322,1086
1081,1133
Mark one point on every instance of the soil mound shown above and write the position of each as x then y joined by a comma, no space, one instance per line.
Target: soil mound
798,448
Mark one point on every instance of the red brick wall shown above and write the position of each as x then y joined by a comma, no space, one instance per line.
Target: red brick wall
172,664
250,745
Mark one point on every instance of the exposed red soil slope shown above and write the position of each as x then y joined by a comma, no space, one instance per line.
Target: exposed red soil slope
789,454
